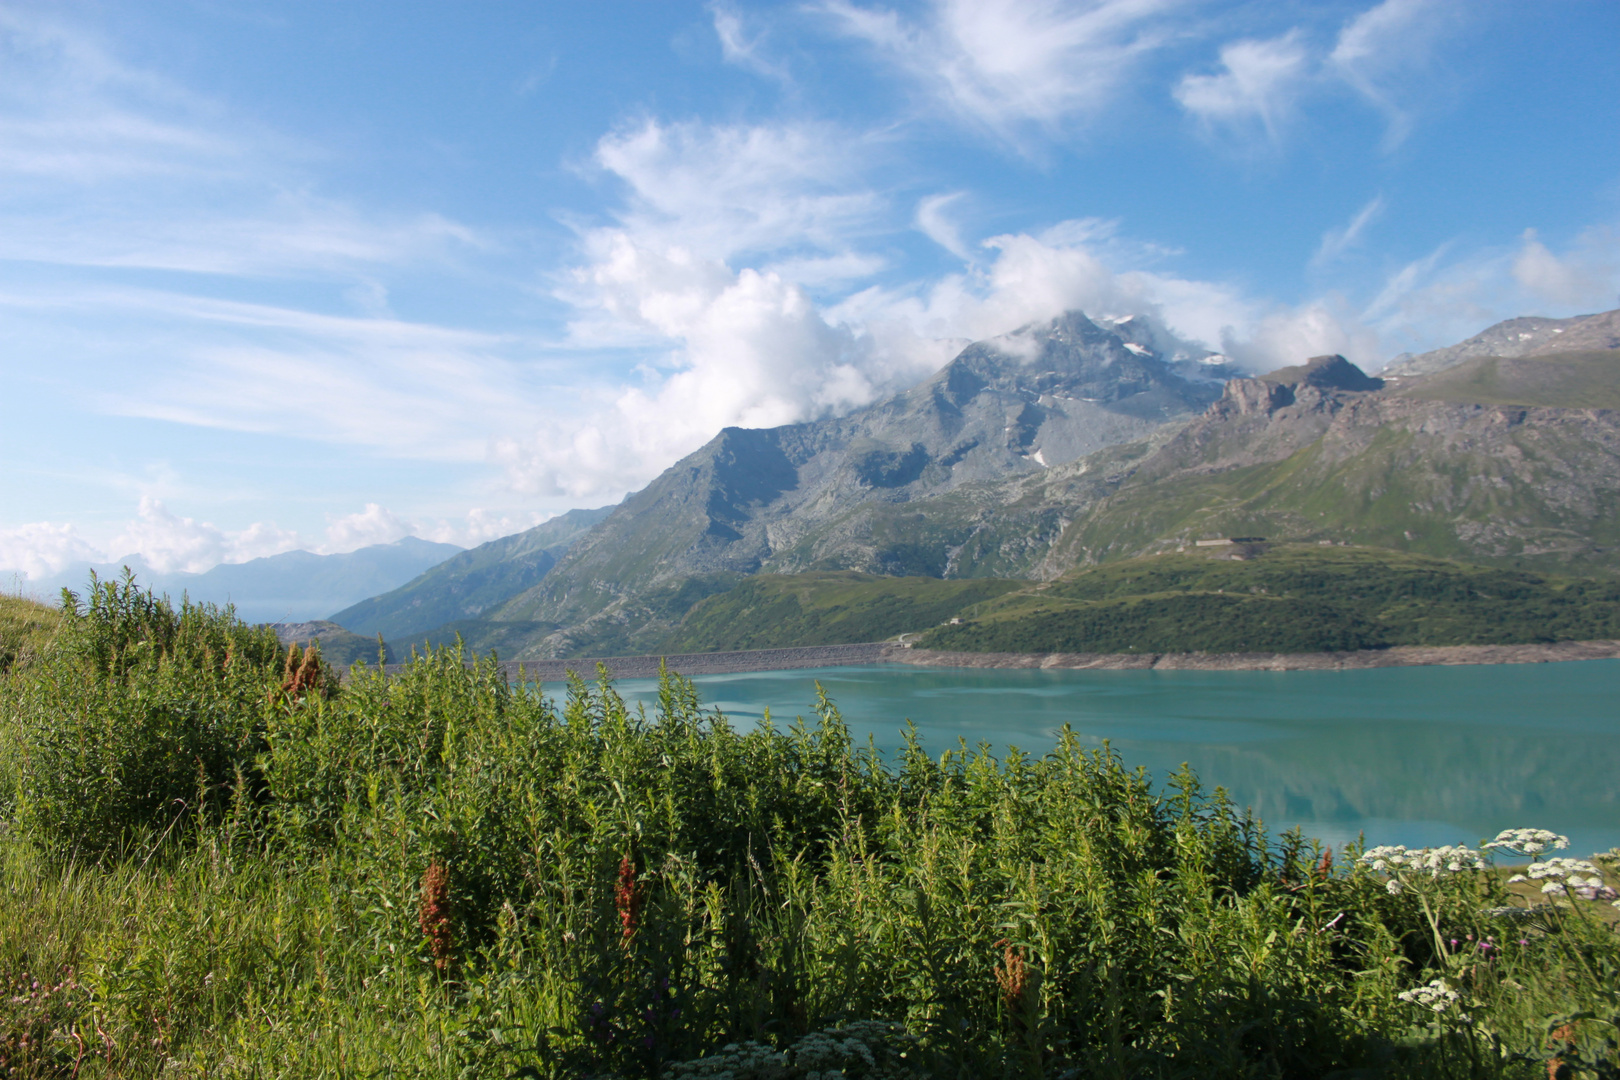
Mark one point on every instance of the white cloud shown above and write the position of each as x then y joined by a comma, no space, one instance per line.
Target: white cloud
725,190
738,48
747,348
167,541
482,526
161,178
373,525
1287,336
1260,85
1384,49
1002,64
1452,293
750,348
1587,276
1335,242
407,389
41,549
934,224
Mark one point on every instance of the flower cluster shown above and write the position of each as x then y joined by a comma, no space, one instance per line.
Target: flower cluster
1433,861
1527,841
736,1061
1560,875
1437,996
867,1048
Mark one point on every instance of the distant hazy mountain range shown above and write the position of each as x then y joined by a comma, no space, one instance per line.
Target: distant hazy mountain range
295,586
1068,445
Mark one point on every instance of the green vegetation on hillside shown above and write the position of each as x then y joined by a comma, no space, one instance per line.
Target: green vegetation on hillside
217,861
1291,598
774,611
1575,380
25,628
1516,504
337,645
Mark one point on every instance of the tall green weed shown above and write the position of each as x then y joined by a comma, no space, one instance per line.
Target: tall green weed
443,873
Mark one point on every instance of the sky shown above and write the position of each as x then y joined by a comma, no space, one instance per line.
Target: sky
282,275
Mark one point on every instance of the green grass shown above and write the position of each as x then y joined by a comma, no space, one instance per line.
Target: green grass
26,627
1577,380
771,611
444,874
1287,598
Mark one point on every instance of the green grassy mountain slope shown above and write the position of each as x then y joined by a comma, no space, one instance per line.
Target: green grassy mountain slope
1290,598
1515,485
1576,380
771,611
470,582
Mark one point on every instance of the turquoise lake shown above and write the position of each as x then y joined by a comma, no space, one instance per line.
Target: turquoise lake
1414,755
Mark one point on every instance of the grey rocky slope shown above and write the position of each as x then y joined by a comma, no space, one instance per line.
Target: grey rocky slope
1528,336
470,582
834,493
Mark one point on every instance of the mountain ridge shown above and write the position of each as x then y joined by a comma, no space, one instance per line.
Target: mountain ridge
1524,336
293,586
751,498
947,480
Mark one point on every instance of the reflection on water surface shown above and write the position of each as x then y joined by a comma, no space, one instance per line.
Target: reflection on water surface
1415,755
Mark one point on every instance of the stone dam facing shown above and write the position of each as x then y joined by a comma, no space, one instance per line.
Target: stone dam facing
872,653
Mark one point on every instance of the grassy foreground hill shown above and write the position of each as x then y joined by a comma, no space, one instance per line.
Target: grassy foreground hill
25,628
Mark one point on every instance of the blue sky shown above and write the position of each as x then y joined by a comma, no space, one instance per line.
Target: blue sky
304,274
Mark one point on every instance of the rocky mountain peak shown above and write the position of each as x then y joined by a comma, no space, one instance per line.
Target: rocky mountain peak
1325,373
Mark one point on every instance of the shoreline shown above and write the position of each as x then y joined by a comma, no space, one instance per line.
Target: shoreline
1358,660
874,653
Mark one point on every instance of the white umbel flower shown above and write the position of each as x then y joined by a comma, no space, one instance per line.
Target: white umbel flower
1435,861
1437,996
1527,841
1559,876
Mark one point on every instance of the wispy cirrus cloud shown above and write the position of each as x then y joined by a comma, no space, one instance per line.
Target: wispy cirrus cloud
1258,85
724,190
166,179
1337,241
1383,55
390,386
1453,292
1385,50
1004,65
741,47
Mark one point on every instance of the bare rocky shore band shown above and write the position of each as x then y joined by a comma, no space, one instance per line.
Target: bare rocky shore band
726,663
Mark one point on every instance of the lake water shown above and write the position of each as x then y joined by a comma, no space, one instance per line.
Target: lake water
1413,755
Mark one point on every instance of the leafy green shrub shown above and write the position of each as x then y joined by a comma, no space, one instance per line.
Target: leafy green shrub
137,713
443,873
